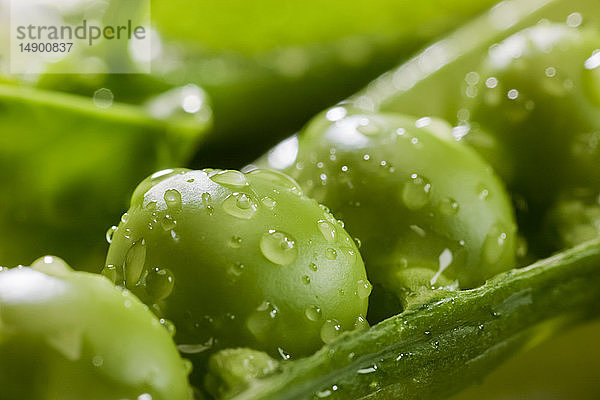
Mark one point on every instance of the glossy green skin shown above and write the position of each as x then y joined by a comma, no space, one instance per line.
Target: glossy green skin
72,335
550,129
59,157
225,290
412,199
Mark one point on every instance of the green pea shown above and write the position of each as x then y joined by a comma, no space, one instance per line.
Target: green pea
537,96
426,208
72,335
238,259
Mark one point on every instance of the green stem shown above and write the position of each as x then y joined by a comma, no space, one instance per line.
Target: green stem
435,349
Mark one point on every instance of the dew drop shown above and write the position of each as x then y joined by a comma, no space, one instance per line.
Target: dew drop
494,245
124,218
110,233
327,230
278,247
235,242
312,313
236,270
364,288
168,223
306,280
358,242
110,272
159,283
415,193
240,205
367,127
262,320
168,325
330,330
331,254
134,262
361,323
449,206
350,254
230,178
173,199
312,266
268,202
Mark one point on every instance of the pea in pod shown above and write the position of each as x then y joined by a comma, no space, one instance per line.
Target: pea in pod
72,335
427,209
239,259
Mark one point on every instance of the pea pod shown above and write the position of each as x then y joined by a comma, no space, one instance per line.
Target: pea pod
72,335
433,350
427,209
239,259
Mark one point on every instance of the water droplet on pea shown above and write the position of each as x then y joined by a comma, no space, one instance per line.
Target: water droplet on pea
494,245
240,205
327,230
367,127
134,263
262,320
173,199
364,288
330,330
110,233
278,247
415,193
159,283
268,202
312,313
124,218
306,280
312,266
168,223
230,178
331,254
449,206
350,254
235,242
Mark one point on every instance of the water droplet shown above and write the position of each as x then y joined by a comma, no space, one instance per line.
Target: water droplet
159,283
574,19
423,122
364,288
240,205
235,242
262,320
494,245
236,270
110,233
173,199
124,218
335,114
97,361
350,254
268,202
358,242
103,98
449,206
168,325
313,313
330,331
331,254
306,280
491,82
278,247
482,191
110,271
512,94
327,230
415,193
168,223
134,262
368,370
230,178
367,127
361,323
312,266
